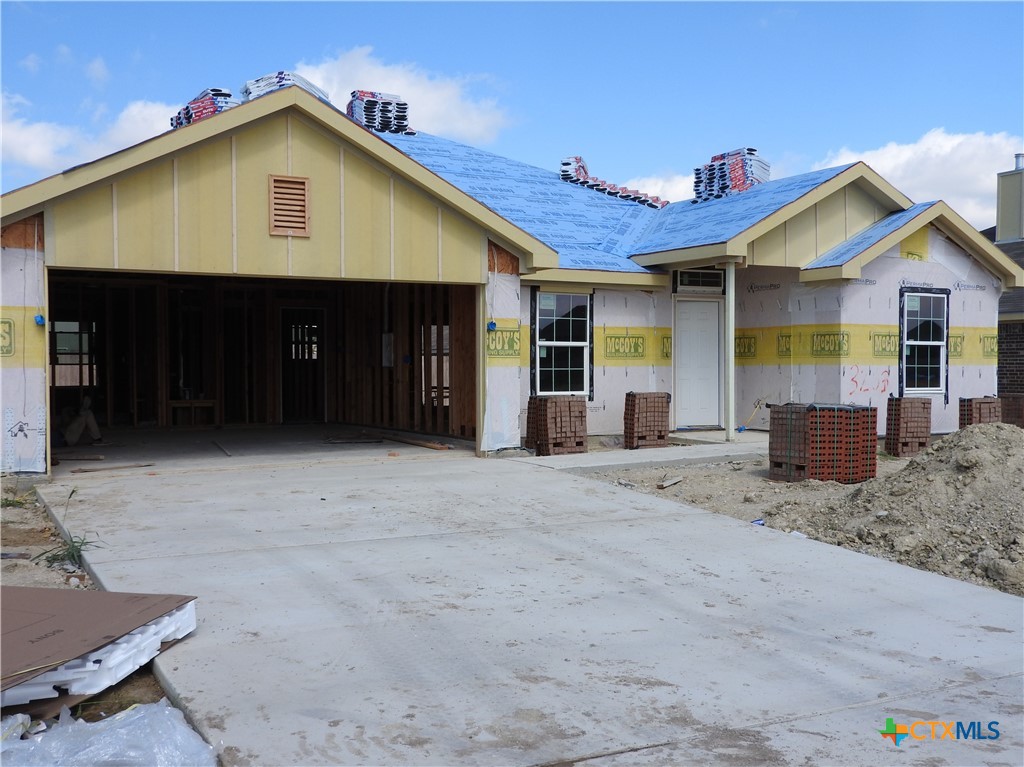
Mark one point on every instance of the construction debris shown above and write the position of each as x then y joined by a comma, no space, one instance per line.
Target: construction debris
60,644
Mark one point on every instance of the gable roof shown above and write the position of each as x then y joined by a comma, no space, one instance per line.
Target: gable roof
555,224
846,259
688,225
30,199
893,224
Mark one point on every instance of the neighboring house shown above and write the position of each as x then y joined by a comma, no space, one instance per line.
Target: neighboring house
1008,234
279,263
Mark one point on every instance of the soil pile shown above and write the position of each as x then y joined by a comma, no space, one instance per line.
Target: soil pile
956,508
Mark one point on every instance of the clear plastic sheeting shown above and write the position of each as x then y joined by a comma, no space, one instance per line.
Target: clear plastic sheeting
146,735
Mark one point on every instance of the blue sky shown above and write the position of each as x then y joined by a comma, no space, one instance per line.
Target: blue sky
931,95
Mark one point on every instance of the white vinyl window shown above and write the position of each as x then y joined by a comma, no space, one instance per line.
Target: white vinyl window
925,329
562,333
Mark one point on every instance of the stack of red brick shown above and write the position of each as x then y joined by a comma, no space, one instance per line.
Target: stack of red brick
979,410
908,425
645,420
824,442
556,425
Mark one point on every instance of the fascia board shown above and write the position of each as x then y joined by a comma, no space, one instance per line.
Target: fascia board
592,277
684,255
859,173
974,242
844,272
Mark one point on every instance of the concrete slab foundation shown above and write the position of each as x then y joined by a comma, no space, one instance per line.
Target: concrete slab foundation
434,608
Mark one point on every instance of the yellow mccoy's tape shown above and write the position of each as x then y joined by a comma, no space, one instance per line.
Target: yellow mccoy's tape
863,344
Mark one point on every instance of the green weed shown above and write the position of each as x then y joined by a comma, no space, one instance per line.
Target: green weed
71,549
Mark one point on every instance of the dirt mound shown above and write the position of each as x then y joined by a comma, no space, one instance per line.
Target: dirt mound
956,508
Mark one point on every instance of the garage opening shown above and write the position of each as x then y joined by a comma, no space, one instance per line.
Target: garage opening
181,351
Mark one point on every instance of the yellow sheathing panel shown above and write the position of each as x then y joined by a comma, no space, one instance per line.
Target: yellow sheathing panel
416,240
861,210
204,209
83,233
22,342
769,249
368,221
145,219
849,344
914,247
463,250
801,238
318,157
831,221
631,346
260,150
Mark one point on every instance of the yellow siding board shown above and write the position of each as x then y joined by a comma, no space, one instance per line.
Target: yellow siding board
260,151
367,221
415,236
83,232
145,219
831,214
317,157
204,209
861,210
770,248
462,250
914,247
801,237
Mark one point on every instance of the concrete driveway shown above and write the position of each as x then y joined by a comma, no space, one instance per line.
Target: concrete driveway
432,608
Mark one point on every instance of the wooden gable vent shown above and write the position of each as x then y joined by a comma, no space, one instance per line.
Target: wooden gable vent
289,206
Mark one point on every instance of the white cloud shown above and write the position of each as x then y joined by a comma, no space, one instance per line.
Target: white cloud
46,148
31,63
97,72
673,188
437,104
64,54
959,168
38,145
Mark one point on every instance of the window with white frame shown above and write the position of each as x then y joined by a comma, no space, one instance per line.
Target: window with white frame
562,346
924,330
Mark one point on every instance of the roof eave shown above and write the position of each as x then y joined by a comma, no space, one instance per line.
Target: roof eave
680,257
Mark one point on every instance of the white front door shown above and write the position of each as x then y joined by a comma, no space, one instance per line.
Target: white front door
697,361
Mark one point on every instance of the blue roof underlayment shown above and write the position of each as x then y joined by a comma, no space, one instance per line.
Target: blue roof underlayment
687,225
846,251
589,229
